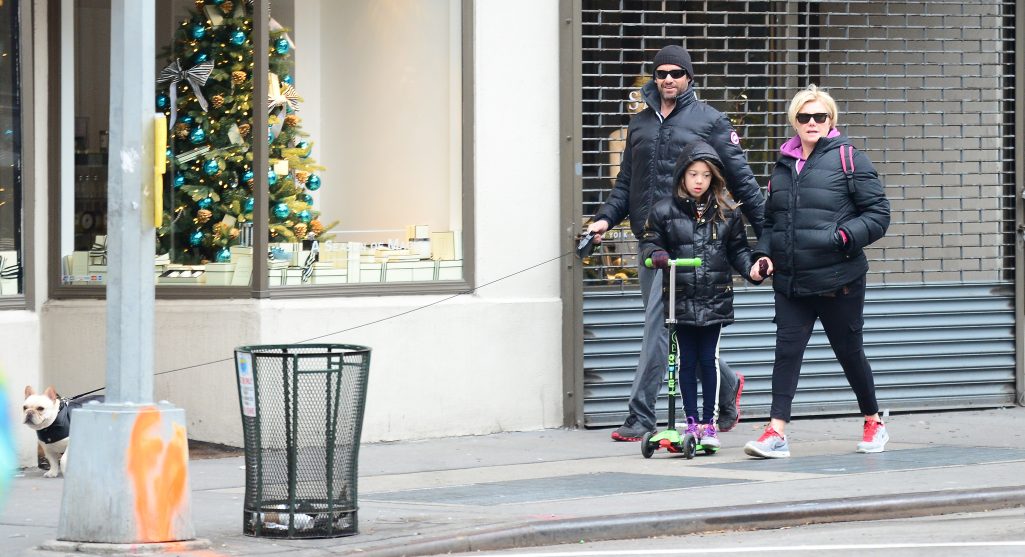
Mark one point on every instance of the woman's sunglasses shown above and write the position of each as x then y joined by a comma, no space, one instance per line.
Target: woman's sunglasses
804,118
677,74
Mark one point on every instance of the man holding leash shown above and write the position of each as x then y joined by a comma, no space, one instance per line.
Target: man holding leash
674,118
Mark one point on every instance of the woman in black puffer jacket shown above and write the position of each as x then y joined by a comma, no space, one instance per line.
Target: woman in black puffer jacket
698,220
825,205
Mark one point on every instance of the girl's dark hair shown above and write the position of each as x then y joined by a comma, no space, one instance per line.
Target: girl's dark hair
717,188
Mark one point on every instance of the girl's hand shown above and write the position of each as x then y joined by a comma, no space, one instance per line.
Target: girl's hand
761,269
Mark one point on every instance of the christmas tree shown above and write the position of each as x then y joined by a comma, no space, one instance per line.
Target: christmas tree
206,90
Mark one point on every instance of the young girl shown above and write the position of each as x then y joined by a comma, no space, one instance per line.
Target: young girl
699,220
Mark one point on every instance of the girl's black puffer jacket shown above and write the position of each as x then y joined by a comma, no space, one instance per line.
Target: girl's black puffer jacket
704,295
804,211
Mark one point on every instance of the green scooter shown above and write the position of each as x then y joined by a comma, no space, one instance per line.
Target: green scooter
671,439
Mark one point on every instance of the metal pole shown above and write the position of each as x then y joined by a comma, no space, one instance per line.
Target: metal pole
126,480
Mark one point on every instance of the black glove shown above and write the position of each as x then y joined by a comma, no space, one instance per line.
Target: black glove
660,259
841,240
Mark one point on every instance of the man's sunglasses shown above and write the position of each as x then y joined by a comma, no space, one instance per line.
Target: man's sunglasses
804,118
677,74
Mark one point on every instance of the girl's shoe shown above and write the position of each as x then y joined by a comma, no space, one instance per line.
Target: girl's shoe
709,438
874,438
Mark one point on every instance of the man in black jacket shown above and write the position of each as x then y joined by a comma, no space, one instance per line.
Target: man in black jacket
674,117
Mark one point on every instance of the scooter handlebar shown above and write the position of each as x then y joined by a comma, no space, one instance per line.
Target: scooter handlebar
686,262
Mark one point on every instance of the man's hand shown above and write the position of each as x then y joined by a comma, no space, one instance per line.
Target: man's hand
599,227
761,269
660,259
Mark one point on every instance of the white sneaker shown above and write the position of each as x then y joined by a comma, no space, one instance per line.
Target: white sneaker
874,439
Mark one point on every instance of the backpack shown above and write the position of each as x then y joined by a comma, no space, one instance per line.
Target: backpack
845,162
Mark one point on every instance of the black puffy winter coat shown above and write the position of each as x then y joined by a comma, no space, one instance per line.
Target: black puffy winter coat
804,211
652,146
704,295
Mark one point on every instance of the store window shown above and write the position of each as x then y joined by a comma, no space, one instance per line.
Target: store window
11,267
365,114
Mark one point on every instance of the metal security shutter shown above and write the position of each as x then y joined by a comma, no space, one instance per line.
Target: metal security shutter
926,90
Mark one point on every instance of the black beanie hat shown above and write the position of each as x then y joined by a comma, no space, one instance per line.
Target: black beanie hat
675,55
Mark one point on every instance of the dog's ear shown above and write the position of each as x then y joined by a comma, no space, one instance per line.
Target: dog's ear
29,391
52,394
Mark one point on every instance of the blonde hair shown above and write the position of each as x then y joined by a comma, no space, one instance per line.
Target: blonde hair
812,93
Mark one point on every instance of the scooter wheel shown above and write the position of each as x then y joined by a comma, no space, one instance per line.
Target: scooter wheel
647,448
690,446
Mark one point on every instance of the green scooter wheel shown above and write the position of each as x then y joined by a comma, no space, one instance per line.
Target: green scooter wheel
647,449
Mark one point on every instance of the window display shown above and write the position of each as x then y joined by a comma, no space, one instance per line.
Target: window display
350,201
11,281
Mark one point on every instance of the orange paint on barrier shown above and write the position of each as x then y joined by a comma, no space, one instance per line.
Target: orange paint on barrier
159,473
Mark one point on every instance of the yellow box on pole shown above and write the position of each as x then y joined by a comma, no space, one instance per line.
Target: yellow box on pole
159,167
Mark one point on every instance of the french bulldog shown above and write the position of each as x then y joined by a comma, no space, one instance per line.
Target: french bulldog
50,416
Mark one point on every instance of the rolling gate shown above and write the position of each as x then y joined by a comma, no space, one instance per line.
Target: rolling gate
926,89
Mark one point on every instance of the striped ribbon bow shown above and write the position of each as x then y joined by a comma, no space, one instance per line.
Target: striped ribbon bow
310,259
9,271
279,97
173,74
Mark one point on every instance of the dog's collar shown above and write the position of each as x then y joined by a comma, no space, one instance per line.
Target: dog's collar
60,428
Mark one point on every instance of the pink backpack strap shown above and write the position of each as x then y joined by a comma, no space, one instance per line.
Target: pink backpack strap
844,163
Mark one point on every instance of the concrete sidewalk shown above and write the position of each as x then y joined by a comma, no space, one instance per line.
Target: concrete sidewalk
556,486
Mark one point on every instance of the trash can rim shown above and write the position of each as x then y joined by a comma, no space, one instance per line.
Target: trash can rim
269,349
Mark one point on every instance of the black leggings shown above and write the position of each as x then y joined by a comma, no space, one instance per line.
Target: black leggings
842,316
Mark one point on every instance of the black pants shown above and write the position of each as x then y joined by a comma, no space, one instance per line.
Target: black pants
842,316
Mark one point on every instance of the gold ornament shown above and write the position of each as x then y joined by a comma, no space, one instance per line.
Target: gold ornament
217,101
316,227
227,7
291,120
203,216
238,77
302,176
243,130
300,230
199,4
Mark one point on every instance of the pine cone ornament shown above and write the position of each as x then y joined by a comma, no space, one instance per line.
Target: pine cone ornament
220,229
181,131
300,230
203,216
316,227
243,129
233,233
238,77
291,120
217,101
227,7
301,176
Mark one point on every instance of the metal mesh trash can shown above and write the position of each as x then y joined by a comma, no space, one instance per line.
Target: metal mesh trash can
302,415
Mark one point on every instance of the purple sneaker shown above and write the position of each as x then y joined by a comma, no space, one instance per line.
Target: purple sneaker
709,438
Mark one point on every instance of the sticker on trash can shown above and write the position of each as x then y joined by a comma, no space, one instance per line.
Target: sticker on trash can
245,385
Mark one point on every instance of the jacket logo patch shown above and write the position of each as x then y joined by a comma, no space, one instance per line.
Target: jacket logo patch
734,138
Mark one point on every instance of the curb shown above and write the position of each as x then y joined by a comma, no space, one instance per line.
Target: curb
685,522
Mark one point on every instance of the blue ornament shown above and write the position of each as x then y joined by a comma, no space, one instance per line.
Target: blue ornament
163,102
288,79
248,207
305,216
179,180
248,176
211,167
205,203
281,46
270,137
313,182
281,210
272,178
305,147
169,153
196,238
198,31
223,255
238,37
216,2
306,198
200,57
197,136
186,119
